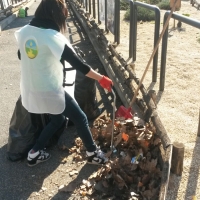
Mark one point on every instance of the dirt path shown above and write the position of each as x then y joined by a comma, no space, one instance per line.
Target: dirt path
178,106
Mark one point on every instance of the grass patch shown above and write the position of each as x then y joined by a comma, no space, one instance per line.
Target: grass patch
185,14
124,5
143,14
164,5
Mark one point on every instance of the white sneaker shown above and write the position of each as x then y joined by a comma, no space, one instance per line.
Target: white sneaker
37,157
96,157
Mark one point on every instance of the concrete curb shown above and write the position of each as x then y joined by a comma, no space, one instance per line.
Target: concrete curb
12,17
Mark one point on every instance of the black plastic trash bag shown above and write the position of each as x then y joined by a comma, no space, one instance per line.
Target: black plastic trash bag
24,129
85,95
85,92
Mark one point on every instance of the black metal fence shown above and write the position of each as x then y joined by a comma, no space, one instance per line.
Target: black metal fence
94,9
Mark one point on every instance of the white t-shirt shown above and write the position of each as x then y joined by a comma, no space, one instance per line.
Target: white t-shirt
41,70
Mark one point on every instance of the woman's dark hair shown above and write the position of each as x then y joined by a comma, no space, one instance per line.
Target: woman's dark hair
54,10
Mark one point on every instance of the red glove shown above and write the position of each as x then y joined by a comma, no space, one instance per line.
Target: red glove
106,83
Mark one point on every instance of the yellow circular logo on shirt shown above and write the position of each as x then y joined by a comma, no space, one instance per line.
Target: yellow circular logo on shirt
31,48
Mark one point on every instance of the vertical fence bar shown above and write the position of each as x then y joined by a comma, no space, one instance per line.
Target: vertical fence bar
134,31
131,29
86,5
90,10
94,8
163,56
117,22
156,36
98,8
106,20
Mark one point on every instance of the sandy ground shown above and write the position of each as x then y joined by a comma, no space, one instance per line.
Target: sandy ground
178,106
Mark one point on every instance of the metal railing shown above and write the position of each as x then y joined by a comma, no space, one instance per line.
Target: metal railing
132,27
133,30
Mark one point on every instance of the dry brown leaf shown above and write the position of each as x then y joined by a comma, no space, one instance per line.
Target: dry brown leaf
89,183
99,187
126,159
118,139
109,128
105,183
78,142
64,160
83,193
146,179
148,165
157,141
78,157
150,193
95,132
95,175
73,172
144,144
82,187
90,191
140,184
108,154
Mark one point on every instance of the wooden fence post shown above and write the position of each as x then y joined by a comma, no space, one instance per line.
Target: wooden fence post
177,158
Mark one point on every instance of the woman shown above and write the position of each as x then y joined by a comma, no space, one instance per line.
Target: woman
42,46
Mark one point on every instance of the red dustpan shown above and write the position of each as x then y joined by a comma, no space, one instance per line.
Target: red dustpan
124,112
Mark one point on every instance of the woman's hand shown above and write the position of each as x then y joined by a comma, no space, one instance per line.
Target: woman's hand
106,83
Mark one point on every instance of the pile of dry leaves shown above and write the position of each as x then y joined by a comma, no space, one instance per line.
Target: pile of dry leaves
133,170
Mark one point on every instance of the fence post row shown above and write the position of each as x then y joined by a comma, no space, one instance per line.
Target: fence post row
181,18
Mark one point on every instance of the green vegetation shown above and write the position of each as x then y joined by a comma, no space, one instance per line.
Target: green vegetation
153,2
124,5
187,15
164,5
143,13
127,15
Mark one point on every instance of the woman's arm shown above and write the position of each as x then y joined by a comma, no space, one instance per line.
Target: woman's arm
94,75
78,64
71,57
